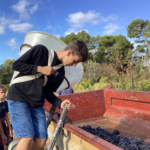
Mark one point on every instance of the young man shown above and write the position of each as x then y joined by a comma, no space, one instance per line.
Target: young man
4,117
26,99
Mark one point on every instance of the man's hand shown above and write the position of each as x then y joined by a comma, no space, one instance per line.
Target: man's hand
47,70
10,132
70,105
4,139
57,94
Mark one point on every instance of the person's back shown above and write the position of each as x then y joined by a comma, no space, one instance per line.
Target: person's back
65,91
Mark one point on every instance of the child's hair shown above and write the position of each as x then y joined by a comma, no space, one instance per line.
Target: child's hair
78,48
3,87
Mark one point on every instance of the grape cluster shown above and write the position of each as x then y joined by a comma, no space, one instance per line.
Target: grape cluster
134,143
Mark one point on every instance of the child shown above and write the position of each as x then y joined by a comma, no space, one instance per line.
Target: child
26,99
4,117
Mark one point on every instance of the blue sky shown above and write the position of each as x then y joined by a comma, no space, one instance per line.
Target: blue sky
61,17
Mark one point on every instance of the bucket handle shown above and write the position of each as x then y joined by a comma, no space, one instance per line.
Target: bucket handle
30,46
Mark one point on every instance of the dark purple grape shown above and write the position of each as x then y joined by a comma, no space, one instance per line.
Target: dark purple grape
116,132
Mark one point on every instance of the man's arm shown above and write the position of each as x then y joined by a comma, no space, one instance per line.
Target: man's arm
51,98
27,64
3,136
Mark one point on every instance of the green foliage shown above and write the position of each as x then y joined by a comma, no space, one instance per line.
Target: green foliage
96,86
84,85
104,80
69,38
146,31
92,71
139,68
146,86
140,29
93,42
78,88
7,86
110,46
136,27
107,41
83,36
6,72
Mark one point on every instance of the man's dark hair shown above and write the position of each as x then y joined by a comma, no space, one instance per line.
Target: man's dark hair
78,48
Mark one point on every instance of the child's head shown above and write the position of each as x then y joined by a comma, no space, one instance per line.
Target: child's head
76,52
2,91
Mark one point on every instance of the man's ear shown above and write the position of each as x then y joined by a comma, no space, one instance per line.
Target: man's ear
69,52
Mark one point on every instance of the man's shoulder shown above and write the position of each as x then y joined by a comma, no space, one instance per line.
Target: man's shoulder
40,47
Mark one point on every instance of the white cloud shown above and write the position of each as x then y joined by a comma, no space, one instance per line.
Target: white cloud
34,8
110,29
135,44
25,8
12,43
57,35
9,58
2,29
4,22
69,31
111,17
49,27
53,28
79,19
22,28
59,27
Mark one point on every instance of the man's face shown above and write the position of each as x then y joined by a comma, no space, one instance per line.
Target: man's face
71,60
2,94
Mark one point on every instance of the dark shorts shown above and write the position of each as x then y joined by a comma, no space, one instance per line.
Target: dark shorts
27,122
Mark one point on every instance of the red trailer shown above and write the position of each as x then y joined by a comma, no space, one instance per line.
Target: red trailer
126,111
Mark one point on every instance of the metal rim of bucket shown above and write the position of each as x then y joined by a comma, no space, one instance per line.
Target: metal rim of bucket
46,34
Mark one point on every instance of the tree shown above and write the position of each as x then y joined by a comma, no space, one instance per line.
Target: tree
140,29
83,36
122,47
69,38
6,72
93,42
110,46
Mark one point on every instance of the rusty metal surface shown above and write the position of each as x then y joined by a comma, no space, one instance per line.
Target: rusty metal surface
88,105
129,108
